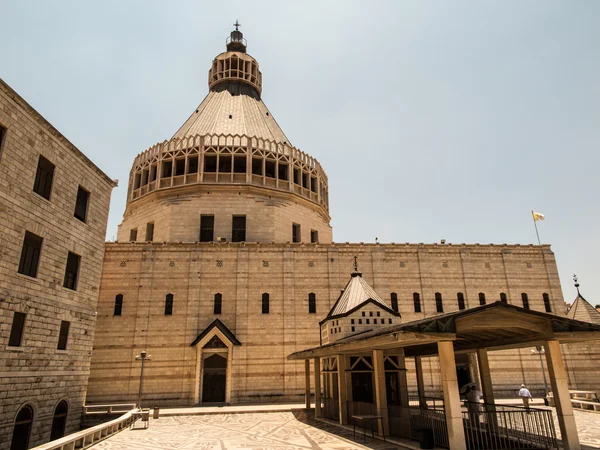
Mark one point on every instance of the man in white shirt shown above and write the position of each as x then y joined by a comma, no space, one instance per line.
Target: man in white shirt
525,395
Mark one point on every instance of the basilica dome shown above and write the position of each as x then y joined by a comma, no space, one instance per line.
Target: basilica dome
229,173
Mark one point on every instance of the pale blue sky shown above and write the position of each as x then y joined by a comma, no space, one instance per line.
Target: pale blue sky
432,119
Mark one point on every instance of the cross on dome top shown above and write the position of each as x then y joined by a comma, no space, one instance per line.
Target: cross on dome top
237,24
236,41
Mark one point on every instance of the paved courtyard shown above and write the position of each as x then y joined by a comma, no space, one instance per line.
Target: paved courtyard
290,430
277,430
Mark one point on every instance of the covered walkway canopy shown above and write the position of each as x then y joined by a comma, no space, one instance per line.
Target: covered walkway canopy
496,326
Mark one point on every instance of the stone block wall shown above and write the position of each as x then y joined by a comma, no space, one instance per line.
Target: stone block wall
36,372
193,273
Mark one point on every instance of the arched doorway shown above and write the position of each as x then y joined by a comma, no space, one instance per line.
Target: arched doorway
59,421
214,379
22,429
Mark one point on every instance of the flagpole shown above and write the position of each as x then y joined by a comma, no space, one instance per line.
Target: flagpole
535,225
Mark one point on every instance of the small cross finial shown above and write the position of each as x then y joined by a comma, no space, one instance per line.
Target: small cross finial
237,24
356,263
576,280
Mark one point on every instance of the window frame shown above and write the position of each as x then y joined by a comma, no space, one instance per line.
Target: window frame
460,299
46,190
150,232
265,303
503,298
205,229
76,277
63,335
314,236
439,303
118,305
547,304
417,302
394,301
312,303
133,235
482,300
218,304
296,233
236,231
3,134
525,300
20,330
78,202
33,268
169,300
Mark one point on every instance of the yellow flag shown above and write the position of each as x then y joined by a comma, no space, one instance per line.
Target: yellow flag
537,216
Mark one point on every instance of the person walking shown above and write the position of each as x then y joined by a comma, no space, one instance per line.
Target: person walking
474,406
525,396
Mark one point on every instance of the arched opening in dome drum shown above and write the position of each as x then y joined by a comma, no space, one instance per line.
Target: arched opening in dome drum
283,171
270,168
224,163
179,167
193,164
257,166
210,163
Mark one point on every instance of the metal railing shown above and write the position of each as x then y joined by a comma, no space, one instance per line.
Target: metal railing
492,426
431,402
360,409
410,421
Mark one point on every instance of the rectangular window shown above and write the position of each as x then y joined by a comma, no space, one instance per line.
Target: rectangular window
207,228
390,321
210,163
63,335
167,169
152,173
16,330
394,298
256,166
282,171
81,204
503,298
352,329
224,163
238,229
461,301
270,168
43,178
360,321
193,164
352,321
239,164
169,305
312,304
265,303
481,298
367,321
179,166
149,231
417,302
118,305
30,254
296,176
439,305
133,235
525,299
72,271
547,305
314,236
2,136
218,305
296,233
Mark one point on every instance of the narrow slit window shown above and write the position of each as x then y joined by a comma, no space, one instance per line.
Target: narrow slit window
133,235
503,297
2,135
149,231
238,229
313,184
207,228
16,330
296,237
152,174
43,178
305,180
297,176
30,254
547,305
312,303
218,304
481,298
81,204
72,271
63,335
439,304
461,301
394,300
265,303
169,305
118,310
314,236
525,299
137,180
417,302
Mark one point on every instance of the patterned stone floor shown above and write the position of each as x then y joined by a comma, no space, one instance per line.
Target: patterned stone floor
588,426
252,431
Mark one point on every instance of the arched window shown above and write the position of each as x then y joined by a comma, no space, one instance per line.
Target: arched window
503,298
169,305
417,302
22,429
265,303
218,304
312,303
525,299
481,298
59,421
439,304
118,305
547,305
394,298
461,300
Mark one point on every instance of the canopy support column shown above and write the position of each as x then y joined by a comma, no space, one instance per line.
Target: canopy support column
342,366
452,406
380,392
317,387
486,386
562,398
307,383
420,382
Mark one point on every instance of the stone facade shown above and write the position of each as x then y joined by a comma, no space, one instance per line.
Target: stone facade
145,273
35,372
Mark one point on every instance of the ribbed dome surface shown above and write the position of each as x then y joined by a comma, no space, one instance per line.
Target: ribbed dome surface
233,108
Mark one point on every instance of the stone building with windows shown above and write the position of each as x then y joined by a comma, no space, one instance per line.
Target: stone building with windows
225,265
53,214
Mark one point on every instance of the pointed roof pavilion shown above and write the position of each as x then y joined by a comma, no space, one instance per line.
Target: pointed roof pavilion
582,309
